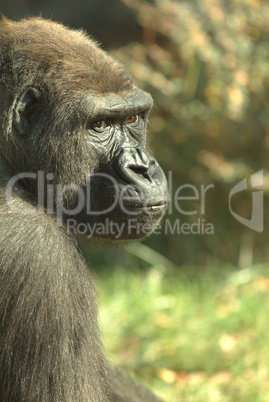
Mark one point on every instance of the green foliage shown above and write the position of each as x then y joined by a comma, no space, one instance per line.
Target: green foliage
193,334
206,65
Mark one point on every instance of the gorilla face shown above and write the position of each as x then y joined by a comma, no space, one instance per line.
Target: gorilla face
128,188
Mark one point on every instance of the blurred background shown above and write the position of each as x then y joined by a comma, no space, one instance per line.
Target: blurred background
206,288
206,65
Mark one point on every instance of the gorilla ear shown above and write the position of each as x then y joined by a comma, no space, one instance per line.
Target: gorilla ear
24,108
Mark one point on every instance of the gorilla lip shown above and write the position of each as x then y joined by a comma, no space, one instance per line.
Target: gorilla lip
157,206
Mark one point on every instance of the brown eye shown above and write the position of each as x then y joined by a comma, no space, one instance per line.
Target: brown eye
133,119
99,125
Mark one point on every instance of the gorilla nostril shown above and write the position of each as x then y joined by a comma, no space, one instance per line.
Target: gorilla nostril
138,169
141,170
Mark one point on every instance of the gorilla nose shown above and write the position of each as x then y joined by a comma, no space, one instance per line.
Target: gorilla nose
141,171
137,162
133,164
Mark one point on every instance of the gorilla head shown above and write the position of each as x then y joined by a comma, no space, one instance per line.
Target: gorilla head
73,114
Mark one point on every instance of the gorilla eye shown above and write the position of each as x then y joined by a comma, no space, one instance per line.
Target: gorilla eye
133,119
99,125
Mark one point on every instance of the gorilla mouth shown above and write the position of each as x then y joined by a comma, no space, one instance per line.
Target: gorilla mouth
151,207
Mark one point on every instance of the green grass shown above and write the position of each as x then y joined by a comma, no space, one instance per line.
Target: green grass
194,334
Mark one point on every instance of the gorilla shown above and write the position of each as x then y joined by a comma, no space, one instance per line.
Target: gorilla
73,161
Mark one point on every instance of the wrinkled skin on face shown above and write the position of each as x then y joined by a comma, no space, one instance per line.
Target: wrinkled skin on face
129,185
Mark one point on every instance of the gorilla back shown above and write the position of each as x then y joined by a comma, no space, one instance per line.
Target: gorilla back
73,160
